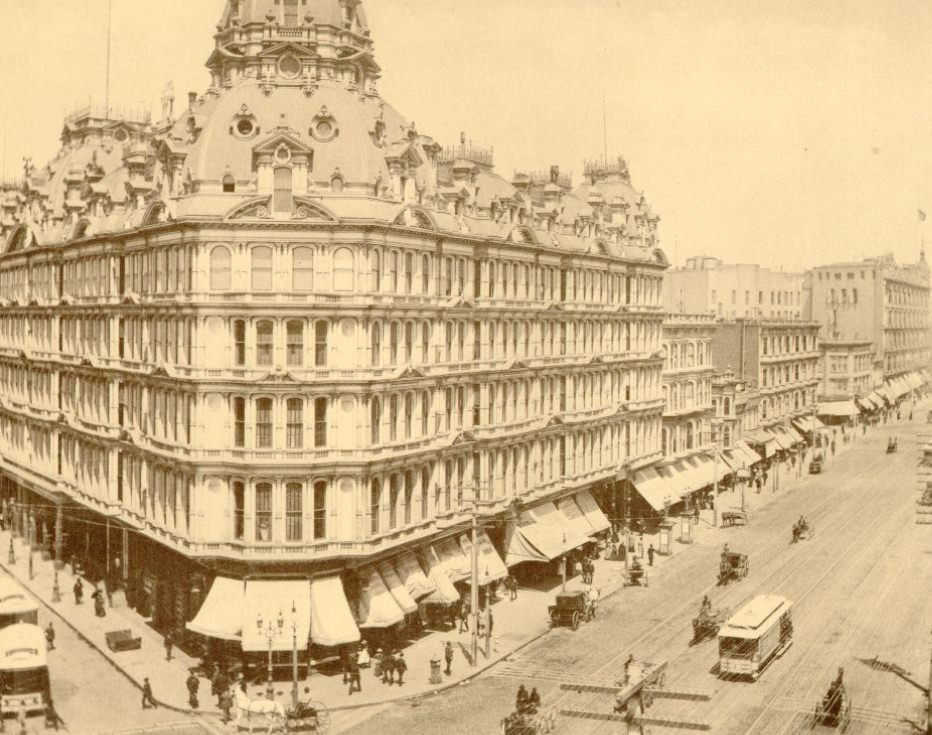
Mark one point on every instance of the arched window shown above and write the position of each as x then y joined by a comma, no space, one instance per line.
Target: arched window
295,425
343,270
264,343
220,273
425,494
689,435
261,269
294,511
302,269
295,343
425,274
264,423
320,422
376,271
375,422
320,509
375,505
283,198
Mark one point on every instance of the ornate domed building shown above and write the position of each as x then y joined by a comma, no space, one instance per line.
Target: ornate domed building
277,351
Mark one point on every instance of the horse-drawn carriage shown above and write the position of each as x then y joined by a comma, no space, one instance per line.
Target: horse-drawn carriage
271,716
734,517
802,529
570,608
834,709
708,621
636,575
732,566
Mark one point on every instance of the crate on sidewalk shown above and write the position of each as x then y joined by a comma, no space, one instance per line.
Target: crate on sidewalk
123,640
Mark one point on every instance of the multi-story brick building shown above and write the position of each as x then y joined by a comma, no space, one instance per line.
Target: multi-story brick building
882,302
732,291
847,369
687,383
286,336
779,357
735,409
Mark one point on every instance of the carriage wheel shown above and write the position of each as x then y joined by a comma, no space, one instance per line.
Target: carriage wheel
323,716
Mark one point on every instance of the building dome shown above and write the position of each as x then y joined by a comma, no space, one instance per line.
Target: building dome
338,13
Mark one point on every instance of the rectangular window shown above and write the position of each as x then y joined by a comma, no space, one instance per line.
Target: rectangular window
320,344
263,512
409,496
408,271
375,506
262,269
302,267
264,344
320,510
295,344
295,425
293,511
264,423
291,13
320,422
393,496
239,511
239,422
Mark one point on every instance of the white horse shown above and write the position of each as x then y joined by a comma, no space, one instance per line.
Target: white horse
272,710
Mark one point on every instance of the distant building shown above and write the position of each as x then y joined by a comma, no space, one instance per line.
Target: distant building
879,301
687,383
847,369
735,409
732,291
780,357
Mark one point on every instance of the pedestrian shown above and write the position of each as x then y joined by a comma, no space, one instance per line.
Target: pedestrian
50,637
355,680
448,657
388,668
168,642
377,663
401,666
833,447
147,699
533,701
641,546
650,555
193,684
226,704
464,617
78,590
99,609
491,620
511,584
521,700
220,684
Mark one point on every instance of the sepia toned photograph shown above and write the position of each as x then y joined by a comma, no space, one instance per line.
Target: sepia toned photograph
513,367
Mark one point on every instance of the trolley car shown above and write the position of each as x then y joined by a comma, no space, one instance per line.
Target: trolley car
24,673
16,605
755,635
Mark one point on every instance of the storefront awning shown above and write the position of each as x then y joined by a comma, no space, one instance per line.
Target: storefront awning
270,602
783,442
221,613
574,517
450,557
752,456
866,403
376,608
397,588
733,459
332,622
838,408
878,398
591,510
444,591
409,571
794,435
654,488
491,566
548,514
764,440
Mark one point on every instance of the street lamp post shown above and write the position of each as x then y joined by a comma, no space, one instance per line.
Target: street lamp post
474,585
270,636
563,565
294,656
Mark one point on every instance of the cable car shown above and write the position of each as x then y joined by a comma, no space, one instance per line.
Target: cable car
755,635
24,672
16,605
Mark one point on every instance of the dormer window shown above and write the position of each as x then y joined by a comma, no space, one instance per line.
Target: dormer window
283,199
229,184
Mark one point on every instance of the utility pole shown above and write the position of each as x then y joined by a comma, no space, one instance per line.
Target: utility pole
715,486
563,563
474,586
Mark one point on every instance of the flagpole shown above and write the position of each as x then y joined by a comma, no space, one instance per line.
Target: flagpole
107,87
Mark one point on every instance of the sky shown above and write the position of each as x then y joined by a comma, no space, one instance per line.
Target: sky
788,134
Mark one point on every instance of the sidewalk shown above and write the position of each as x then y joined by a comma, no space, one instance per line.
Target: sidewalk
516,623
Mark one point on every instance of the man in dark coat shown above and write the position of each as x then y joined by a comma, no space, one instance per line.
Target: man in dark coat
650,555
168,642
193,684
401,666
78,590
147,699
448,657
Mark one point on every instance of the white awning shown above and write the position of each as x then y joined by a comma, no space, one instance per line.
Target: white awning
764,440
751,455
654,488
491,566
548,514
574,516
270,602
221,613
451,558
409,571
397,588
591,510
444,591
332,622
838,408
783,442
376,608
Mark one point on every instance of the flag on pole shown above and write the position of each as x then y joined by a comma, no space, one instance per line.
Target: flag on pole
922,215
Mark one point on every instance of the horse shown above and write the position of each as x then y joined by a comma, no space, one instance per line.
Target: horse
273,711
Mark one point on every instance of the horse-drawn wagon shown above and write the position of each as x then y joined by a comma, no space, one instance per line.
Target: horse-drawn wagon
802,529
708,621
834,709
636,575
732,565
569,609
270,715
